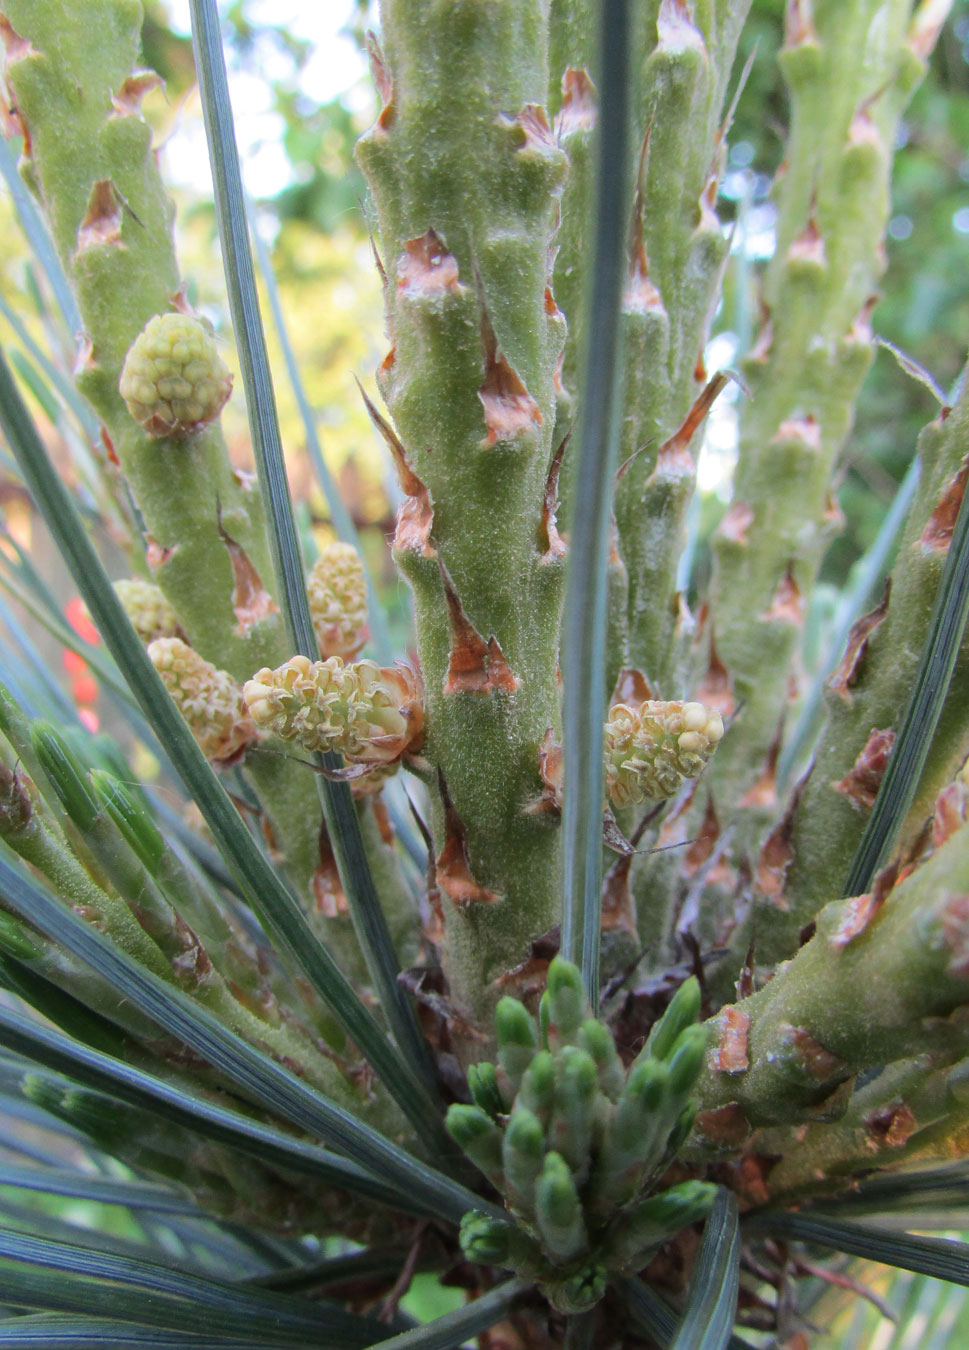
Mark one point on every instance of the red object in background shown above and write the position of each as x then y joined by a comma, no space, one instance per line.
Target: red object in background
84,687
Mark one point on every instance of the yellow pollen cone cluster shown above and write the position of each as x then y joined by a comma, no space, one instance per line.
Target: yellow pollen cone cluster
650,750
209,699
337,594
370,714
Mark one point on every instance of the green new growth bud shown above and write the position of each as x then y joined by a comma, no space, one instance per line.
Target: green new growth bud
683,1011
568,1006
485,1239
576,1090
517,1037
635,1136
145,605
522,1151
681,1130
103,752
209,699
579,1292
15,940
67,775
686,1060
173,380
16,809
681,1204
514,1025
651,750
131,819
558,1210
596,1039
483,1082
472,1076
370,714
499,1243
479,1137
544,1018
656,1220
537,1091
337,592
644,1097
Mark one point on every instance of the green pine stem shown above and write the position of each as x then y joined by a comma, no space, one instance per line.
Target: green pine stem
208,544
885,1125
868,694
678,249
850,72
873,986
465,186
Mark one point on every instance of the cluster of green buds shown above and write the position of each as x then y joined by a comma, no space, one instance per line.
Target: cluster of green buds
209,699
146,606
652,749
337,592
370,714
575,1142
174,381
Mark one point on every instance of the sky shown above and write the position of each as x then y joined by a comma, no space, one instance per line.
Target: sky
336,65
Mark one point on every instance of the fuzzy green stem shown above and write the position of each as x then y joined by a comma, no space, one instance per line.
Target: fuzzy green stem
873,986
464,172
850,71
93,167
866,697
677,252
883,1126
678,248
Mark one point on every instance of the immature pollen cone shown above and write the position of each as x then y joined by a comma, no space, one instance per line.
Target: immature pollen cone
370,714
208,699
145,605
174,381
337,594
650,750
